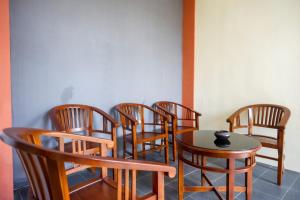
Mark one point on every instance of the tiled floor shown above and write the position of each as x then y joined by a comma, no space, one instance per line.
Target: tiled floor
264,183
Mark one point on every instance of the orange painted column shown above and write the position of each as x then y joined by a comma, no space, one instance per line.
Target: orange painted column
6,166
188,48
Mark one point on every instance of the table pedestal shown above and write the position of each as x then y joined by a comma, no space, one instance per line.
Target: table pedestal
198,159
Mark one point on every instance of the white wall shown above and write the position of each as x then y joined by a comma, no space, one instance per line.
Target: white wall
248,51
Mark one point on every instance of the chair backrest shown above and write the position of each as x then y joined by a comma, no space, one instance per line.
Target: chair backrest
178,113
46,171
267,115
72,118
262,115
167,105
178,110
134,112
133,109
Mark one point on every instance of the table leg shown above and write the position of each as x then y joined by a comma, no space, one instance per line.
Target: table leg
248,180
180,179
203,163
230,179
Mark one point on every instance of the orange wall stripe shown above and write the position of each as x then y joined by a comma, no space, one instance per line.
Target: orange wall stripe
188,48
6,167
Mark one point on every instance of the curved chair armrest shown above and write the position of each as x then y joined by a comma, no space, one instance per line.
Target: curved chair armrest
197,113
129,117
106,116
284,119
166,111
157,112
232,117
187,108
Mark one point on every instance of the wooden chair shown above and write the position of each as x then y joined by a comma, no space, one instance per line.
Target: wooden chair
47,176
266,116
181,119
83,119
141,128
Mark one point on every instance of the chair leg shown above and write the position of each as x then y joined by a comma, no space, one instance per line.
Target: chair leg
166,151
124,148
144,153
280,168
134,152
174,147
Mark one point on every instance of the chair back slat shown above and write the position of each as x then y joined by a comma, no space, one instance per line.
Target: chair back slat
250,121
171,107
37,172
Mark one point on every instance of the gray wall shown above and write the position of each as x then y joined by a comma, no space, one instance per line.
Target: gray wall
92,52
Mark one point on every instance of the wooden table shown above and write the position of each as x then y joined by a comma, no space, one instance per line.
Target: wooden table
195,147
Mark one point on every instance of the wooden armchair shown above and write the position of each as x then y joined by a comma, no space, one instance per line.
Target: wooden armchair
86,120
47,176
181,119
266,116
141,128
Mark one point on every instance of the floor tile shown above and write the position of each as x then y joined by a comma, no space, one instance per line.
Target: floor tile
23,193
292,195
144,185
269,188
17,195
75,179
257,195
204,195
289,177
188,198
296,185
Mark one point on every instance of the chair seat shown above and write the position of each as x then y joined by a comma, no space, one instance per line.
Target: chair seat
266,141
99,190
96,191
146,136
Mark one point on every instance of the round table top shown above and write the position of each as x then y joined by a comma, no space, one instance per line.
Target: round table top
205,139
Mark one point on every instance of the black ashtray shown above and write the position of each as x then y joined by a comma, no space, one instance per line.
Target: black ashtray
222,143
222,135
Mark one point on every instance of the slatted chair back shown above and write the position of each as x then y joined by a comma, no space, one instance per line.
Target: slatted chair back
137,114
47,176
178,112
86,120
73,118
260,115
